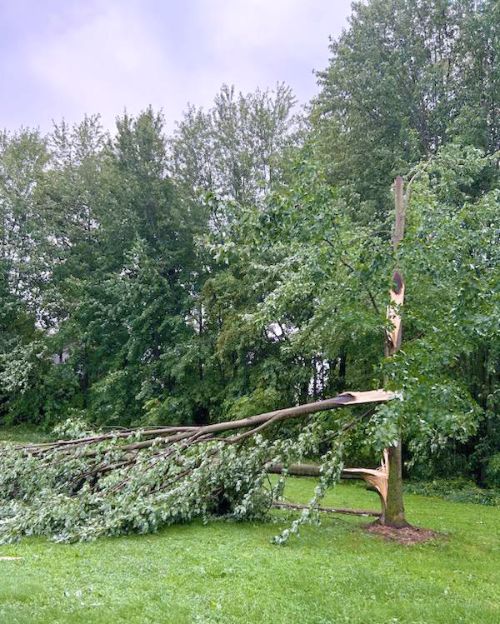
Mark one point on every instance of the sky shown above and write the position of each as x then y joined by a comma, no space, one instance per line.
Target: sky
65,58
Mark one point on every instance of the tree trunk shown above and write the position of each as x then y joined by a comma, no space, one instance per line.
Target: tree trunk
394,512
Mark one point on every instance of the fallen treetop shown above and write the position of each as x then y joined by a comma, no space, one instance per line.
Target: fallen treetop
137,481
169,435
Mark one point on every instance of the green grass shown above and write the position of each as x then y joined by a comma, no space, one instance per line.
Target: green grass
228,572
23,434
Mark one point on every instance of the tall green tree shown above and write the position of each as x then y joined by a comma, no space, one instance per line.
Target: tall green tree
232,153
311,251
222,160
134,311
406,77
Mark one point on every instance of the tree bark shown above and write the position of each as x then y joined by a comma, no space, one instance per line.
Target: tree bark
168,435
394,512
375,478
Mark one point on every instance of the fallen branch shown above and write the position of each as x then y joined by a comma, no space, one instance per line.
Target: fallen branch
377,478
136,481
170,435
339,510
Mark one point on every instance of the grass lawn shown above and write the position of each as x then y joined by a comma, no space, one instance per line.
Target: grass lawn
228,572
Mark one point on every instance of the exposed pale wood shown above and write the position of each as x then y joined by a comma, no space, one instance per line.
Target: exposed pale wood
399,200
397,292
393,508
394,335
376,478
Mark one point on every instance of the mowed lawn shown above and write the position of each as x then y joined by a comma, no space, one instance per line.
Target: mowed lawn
230,572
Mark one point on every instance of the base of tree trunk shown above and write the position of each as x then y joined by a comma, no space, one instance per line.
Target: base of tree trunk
394,523
393,514
402,535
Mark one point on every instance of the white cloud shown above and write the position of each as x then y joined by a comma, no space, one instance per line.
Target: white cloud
105,56
276,24
261,42
103,63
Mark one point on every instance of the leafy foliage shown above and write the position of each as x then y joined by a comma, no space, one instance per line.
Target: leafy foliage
98,485
456,490
406,78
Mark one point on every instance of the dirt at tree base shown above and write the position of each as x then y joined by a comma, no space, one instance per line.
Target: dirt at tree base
406,535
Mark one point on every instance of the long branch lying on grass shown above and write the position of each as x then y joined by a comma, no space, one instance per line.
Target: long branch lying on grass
335,510
136,481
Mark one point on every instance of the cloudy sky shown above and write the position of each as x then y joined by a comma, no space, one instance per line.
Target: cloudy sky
64,58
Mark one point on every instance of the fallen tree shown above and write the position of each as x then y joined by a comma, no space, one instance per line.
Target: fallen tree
137,481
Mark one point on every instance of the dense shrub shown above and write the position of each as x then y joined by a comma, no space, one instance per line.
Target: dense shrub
458,490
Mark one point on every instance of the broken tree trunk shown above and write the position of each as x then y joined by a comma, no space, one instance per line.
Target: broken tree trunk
136,481
376,478
393,513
